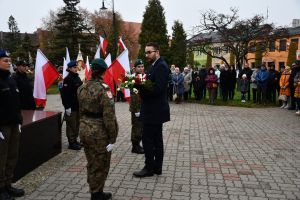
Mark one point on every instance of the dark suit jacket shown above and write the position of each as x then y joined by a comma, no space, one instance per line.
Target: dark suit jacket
155,106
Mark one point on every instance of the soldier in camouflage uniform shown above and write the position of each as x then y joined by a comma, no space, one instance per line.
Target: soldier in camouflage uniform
135,106
98,128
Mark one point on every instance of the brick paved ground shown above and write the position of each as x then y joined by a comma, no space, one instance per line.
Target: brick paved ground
211,152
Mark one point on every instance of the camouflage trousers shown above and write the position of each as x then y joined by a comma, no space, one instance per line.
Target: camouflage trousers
136,129
94,139
9,152
72,126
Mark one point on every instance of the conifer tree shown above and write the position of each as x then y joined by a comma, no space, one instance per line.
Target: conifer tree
292,53
258,55
13,39
69,32
178,45
154,29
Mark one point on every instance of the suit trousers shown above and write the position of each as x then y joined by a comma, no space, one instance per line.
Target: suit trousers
153,146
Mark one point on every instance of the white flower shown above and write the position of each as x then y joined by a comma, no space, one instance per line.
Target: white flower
126,82
118,89
133,81
135,90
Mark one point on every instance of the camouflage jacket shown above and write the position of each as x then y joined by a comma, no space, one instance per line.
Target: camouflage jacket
95,98
135,102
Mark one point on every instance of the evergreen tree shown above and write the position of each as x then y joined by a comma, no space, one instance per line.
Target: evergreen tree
13,39
258,54
208,61
178,45
190,58
292,53
154,29
69,32
24,49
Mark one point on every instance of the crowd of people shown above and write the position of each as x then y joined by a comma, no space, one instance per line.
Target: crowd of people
261,85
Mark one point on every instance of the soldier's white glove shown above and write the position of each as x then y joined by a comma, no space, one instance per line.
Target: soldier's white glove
137,114
68,111
110,147
1,136
19,126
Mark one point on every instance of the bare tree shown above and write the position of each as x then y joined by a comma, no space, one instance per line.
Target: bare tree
231,34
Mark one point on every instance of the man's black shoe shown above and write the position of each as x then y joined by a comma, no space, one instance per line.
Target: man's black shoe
291,108
143,173
5,196
157,171
107,195
137,149
14,192
74,146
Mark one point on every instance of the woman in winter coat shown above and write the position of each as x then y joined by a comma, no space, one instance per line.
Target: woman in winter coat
178,80
297,92
187,76
211,81
284,86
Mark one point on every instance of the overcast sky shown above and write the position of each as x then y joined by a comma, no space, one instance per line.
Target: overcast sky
28,13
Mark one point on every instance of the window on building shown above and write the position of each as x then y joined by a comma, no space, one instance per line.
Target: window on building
282,45
296,41
281,64
272,46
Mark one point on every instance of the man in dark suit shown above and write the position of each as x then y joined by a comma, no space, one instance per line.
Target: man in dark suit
154,112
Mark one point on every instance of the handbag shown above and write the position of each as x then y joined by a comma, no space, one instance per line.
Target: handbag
282,97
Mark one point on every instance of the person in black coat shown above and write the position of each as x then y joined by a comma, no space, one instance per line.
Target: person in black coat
232,82
225,83
69,99
196,84
246,70
273,81
295,70
154,112
10,127
24,86
202,86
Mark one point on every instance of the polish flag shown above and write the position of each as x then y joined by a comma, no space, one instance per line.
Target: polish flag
87,70
103,43
108,76
66,61
45,74
97,55
120,66
122,44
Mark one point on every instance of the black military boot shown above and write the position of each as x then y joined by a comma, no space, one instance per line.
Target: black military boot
14,192
136,148
74,146
107,195
4,195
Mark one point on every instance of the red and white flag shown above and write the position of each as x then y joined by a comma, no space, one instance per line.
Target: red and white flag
97,55
66,61
108,76
122,45
103,43
120,66
87,70
45,74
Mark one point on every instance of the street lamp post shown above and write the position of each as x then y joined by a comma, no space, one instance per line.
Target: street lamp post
114,45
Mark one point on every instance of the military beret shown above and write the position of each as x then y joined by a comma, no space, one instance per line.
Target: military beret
72,63
138,62
3,54
99,64
297,62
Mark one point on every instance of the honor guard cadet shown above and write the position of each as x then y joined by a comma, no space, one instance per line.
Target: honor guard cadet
98,128
135,106
69,99
10,123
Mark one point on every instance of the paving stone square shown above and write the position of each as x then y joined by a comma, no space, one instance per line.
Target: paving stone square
211,152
